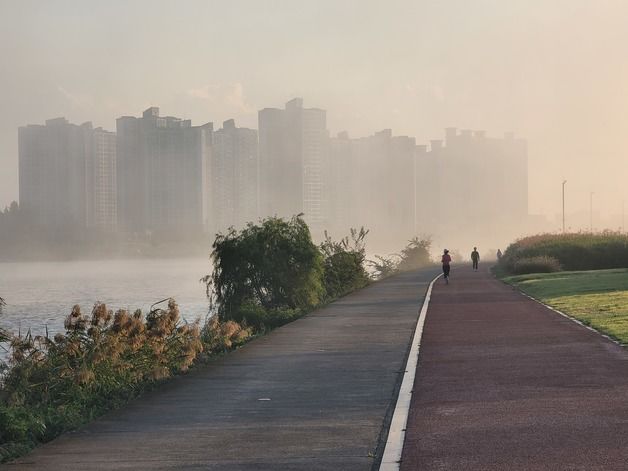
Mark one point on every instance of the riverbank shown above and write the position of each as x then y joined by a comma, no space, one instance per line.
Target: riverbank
313,394
262,277
61,382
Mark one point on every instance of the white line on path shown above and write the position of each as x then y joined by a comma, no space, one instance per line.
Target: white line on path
397,431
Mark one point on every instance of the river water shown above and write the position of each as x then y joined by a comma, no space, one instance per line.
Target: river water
40,295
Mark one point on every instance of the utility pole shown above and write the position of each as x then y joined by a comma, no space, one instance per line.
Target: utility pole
591,211
622,216
564,181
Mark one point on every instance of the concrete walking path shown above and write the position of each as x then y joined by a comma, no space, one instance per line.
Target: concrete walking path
504,383
312,395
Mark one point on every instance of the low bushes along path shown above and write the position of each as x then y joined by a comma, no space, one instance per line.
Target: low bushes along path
504,383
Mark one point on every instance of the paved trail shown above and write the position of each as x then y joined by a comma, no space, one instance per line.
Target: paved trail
506,384
312,395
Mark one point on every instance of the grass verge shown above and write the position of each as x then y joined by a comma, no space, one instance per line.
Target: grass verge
598,298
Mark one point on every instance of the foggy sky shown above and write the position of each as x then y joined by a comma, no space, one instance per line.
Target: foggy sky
554,72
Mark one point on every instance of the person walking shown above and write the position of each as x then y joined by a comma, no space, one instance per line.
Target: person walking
475,258
446,260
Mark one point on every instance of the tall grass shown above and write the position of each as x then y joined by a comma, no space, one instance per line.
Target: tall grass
102,361
573,251
538,264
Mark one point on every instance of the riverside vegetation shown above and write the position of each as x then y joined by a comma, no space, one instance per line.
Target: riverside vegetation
265,275
101,362
270,273
546,253
23,239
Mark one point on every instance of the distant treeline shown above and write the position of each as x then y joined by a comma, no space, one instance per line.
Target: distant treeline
21,238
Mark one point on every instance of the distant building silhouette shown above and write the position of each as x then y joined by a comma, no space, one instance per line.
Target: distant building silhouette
67,175
102,207
234,177
373,185
479,183
344,188
294,162
163,174
468,185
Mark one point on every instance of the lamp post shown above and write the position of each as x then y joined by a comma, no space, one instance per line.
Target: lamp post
591,212
564,181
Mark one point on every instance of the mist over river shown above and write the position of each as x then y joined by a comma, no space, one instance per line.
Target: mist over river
42,294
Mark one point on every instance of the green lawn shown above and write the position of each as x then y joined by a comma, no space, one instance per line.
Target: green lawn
598,298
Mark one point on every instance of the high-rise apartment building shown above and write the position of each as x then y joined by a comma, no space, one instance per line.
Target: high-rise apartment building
234,177
67,175
101,180
466,187
163,174
373,186
473,185
344,188
294,162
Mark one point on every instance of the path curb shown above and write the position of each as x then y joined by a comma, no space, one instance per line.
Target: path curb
559,312
571,318
391,457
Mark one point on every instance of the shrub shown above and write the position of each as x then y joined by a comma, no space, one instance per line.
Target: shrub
415,255
578,251
343,264
270,273
273,264
538,264
383,267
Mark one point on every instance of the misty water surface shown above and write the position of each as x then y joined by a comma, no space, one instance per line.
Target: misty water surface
42,294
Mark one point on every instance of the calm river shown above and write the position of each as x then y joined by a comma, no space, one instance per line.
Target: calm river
42,294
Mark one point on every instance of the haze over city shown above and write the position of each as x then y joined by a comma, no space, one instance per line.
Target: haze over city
553,73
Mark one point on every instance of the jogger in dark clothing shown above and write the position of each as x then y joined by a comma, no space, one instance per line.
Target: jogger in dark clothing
446,259
475,258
